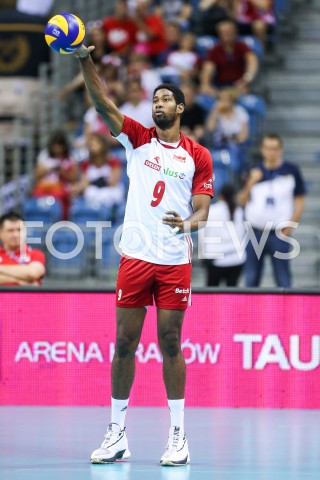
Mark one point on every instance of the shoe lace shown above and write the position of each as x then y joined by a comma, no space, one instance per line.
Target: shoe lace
110,435
173,439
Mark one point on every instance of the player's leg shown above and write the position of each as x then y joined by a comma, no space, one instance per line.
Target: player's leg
169,338
133,292
174,376
172,295
129,328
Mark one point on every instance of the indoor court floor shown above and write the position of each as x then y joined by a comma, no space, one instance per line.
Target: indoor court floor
55,443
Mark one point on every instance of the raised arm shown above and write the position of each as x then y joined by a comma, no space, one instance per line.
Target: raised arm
109,112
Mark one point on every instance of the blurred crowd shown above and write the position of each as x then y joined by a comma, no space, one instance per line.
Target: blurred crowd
213,50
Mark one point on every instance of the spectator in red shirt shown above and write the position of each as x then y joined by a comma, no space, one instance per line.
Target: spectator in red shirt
100,182
255,17
120,30
19,264
229,63
56,171
151,33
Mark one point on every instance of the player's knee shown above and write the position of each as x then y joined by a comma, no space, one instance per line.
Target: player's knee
125,346
170,344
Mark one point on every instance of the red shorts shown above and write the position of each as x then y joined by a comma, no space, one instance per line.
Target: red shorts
138,282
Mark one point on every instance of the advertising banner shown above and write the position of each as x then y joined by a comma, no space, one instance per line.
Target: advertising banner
241,350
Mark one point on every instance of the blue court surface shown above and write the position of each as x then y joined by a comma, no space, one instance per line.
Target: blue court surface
55,443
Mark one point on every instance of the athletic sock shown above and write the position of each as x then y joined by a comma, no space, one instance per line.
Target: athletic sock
118,411
176,408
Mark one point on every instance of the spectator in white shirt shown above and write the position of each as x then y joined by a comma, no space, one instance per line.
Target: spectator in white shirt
221,239
136,106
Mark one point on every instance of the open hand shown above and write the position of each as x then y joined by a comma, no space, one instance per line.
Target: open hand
83,51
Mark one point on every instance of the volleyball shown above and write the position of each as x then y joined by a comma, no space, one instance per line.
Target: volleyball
64,33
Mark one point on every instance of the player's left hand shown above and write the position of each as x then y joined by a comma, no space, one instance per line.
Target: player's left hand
174,220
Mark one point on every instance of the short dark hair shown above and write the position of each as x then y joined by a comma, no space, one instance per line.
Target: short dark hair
227,20
176,91
58,137
11,216
272,136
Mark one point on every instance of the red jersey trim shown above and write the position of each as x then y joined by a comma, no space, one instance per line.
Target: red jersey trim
203,176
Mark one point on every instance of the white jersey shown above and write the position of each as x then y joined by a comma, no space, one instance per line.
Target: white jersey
162,178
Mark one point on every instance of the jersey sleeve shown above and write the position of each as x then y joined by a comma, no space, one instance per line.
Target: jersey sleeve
203,175
243,48
133,134
213,54
37,256
300,188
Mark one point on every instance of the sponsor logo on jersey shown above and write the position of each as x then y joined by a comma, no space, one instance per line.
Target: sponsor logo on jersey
185,299
209,184
172,173
157,159
182,290
154,166
180,158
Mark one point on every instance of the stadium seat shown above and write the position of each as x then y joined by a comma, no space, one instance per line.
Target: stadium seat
205,101
205,43
223,161
61,261
107,266
46,209
82,212
254,44
256,107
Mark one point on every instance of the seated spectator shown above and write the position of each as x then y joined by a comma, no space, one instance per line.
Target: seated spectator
111,75
151,34
255,17
95,37
173,35
228,122
136,106
120,30
194,115
179,11
223,261
110,68
19,263
56,171
92,123
228,125
229,63
183,63
209,13
139,67
101,174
